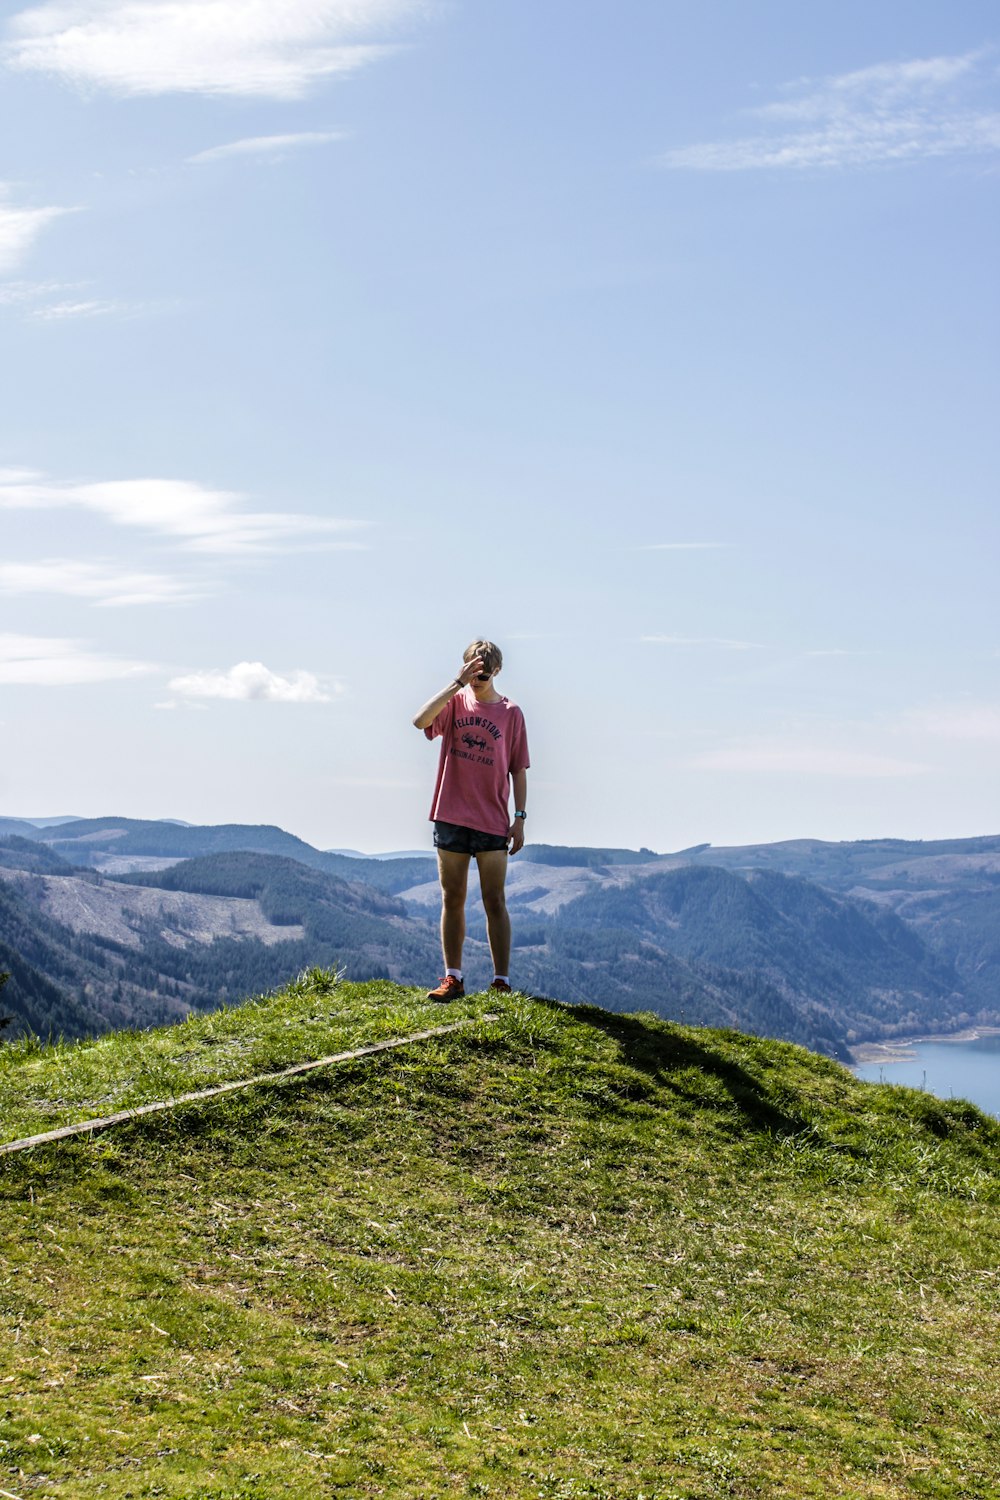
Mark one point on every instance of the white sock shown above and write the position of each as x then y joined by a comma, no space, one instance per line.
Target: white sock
504,978
456,972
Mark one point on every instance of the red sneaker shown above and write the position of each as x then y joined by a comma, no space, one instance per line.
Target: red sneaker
502,986
450,988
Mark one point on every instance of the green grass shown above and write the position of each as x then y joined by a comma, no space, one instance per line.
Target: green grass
563,1254
44,1086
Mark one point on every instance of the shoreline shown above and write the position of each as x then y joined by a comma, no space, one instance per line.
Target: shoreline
900,1049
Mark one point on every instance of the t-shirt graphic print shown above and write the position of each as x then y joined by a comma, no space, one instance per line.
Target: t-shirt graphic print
482,745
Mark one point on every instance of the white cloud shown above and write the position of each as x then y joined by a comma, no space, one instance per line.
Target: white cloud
21,293
18,476
19,228
103,583
271,146
805,760
700,640
35,299
251,680
47,661
200,519
274,49
889,113
963,721
53,312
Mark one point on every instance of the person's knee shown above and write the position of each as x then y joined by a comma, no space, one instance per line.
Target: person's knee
495,903
452,899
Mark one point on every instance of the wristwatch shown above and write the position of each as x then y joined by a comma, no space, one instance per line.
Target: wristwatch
520,815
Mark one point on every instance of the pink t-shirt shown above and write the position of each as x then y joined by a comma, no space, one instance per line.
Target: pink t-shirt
483,744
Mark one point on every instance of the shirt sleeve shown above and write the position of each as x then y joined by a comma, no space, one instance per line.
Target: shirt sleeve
443,721
518,745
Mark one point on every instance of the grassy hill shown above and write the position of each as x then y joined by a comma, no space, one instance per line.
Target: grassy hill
565,1253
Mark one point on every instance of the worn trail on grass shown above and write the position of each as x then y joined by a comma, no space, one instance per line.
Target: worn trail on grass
89,1127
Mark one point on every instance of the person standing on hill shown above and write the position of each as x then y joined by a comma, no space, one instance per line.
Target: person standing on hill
484,749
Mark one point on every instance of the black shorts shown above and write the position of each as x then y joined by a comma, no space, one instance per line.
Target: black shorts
455,839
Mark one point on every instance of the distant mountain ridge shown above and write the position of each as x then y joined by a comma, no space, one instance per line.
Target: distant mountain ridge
841,865
120,845
82,840
826,944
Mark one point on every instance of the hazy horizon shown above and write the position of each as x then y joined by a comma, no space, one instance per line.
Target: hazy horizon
45,820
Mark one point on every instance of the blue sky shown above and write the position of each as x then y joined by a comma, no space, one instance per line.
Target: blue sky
656,342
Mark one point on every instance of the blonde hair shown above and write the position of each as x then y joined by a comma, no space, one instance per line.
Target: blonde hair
491,654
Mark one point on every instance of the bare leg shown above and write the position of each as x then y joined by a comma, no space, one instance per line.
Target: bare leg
453,872
492,875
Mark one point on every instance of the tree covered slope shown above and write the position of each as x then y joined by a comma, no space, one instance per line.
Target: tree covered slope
827,956
903,940
87,953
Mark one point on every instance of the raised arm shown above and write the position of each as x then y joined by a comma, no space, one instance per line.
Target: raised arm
425,716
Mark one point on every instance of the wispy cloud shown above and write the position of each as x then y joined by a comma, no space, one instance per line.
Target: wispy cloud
251,681
21,293
199,519
271,147
889,113
961,721
274,49
103,583
700,640
20,227
48,661
62,302
92,307
805,761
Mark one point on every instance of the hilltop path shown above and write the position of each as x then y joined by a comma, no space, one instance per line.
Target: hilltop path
83,1127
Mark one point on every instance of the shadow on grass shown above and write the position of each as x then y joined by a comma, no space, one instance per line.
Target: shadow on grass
669,1059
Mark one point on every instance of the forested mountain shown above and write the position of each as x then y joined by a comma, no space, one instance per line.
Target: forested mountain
17,826
582,858
861,968
901,937
841,866
355,926
946,892
46,993
86,953
87,840
18,853
120,846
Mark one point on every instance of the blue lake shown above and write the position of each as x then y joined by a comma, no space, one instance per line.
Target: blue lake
952,1070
